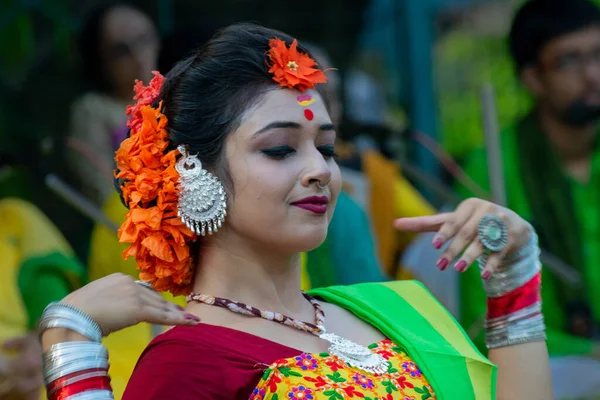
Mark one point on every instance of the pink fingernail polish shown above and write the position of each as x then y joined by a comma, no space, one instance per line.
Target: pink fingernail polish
180,308
437,243
442,264
192,317
461,266
486,275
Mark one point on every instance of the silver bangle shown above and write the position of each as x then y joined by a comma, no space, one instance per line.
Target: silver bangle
540,337
516,331
66,349
93,395
66,358
57,373
60,315
526,313
66,362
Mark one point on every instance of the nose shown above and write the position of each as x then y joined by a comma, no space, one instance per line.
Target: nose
317,171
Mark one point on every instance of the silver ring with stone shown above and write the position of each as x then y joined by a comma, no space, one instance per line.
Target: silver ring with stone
147,285
493,233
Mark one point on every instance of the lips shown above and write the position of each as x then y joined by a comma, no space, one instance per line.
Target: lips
314,204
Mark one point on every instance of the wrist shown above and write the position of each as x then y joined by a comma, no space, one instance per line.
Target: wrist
516,269
65,316
54,336
73,368
514,303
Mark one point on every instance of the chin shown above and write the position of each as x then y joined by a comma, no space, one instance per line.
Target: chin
308,239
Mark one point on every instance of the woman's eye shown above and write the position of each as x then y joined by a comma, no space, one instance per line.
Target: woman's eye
327,151
278,153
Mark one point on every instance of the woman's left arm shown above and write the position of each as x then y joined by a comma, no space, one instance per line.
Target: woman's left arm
523,371
505,247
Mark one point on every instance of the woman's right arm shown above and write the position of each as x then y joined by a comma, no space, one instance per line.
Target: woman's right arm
72,329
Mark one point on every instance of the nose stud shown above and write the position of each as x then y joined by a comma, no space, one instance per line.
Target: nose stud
323,186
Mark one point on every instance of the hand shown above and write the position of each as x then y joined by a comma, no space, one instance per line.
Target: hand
460,227
24,371
116,302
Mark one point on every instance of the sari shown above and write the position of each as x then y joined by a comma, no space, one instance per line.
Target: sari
430,357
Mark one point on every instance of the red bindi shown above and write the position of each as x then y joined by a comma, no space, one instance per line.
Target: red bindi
308,114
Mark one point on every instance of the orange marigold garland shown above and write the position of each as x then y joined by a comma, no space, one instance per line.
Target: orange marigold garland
292,68
160,242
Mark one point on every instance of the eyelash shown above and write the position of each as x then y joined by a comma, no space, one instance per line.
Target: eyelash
279,153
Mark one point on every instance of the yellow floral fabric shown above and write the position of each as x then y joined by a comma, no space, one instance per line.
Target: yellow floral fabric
323,376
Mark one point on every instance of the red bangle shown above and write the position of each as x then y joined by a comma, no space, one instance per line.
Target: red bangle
95,383
69,385
520,298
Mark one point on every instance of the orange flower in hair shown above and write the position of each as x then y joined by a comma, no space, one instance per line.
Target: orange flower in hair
292,68
158,239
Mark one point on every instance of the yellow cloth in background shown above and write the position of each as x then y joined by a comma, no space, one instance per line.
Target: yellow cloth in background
25,233
391,196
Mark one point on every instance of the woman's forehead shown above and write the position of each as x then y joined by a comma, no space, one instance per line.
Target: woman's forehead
290,105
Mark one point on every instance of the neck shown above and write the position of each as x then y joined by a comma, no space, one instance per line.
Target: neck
232,267
571,143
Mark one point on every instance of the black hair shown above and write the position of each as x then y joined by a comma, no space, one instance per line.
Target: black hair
205,96
539,21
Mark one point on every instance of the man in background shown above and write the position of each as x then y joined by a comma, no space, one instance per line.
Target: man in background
551,162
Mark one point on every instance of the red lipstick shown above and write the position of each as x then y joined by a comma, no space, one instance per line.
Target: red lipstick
314,204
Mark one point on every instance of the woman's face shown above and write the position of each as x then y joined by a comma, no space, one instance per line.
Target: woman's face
278,157
129,48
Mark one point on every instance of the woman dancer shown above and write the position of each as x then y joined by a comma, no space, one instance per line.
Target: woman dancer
228,174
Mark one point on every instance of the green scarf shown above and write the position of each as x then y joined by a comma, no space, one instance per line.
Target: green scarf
406,313
548,192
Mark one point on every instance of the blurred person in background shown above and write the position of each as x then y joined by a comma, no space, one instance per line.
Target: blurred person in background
551,161
118,45
38,267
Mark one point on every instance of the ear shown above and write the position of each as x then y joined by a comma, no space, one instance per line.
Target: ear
530,76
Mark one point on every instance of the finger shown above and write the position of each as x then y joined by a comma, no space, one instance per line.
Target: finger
30,383
16,343
27,363
422,224
165,317
470,255
461,234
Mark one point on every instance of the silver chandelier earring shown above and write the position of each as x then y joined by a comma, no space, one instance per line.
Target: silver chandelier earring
202,204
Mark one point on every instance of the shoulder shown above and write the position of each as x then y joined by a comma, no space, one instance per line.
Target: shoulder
404,297
193,363
88,101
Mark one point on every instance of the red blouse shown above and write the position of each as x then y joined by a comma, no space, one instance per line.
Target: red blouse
205,362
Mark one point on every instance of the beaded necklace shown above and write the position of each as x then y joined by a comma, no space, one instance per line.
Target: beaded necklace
346,350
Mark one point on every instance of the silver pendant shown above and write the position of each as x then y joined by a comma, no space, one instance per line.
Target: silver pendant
355,355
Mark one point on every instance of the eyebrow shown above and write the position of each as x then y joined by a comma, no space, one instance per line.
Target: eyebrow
290,124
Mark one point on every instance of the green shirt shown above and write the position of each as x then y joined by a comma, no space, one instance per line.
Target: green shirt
586,197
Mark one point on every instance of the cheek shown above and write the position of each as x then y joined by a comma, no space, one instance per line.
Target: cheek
261,188
567,88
